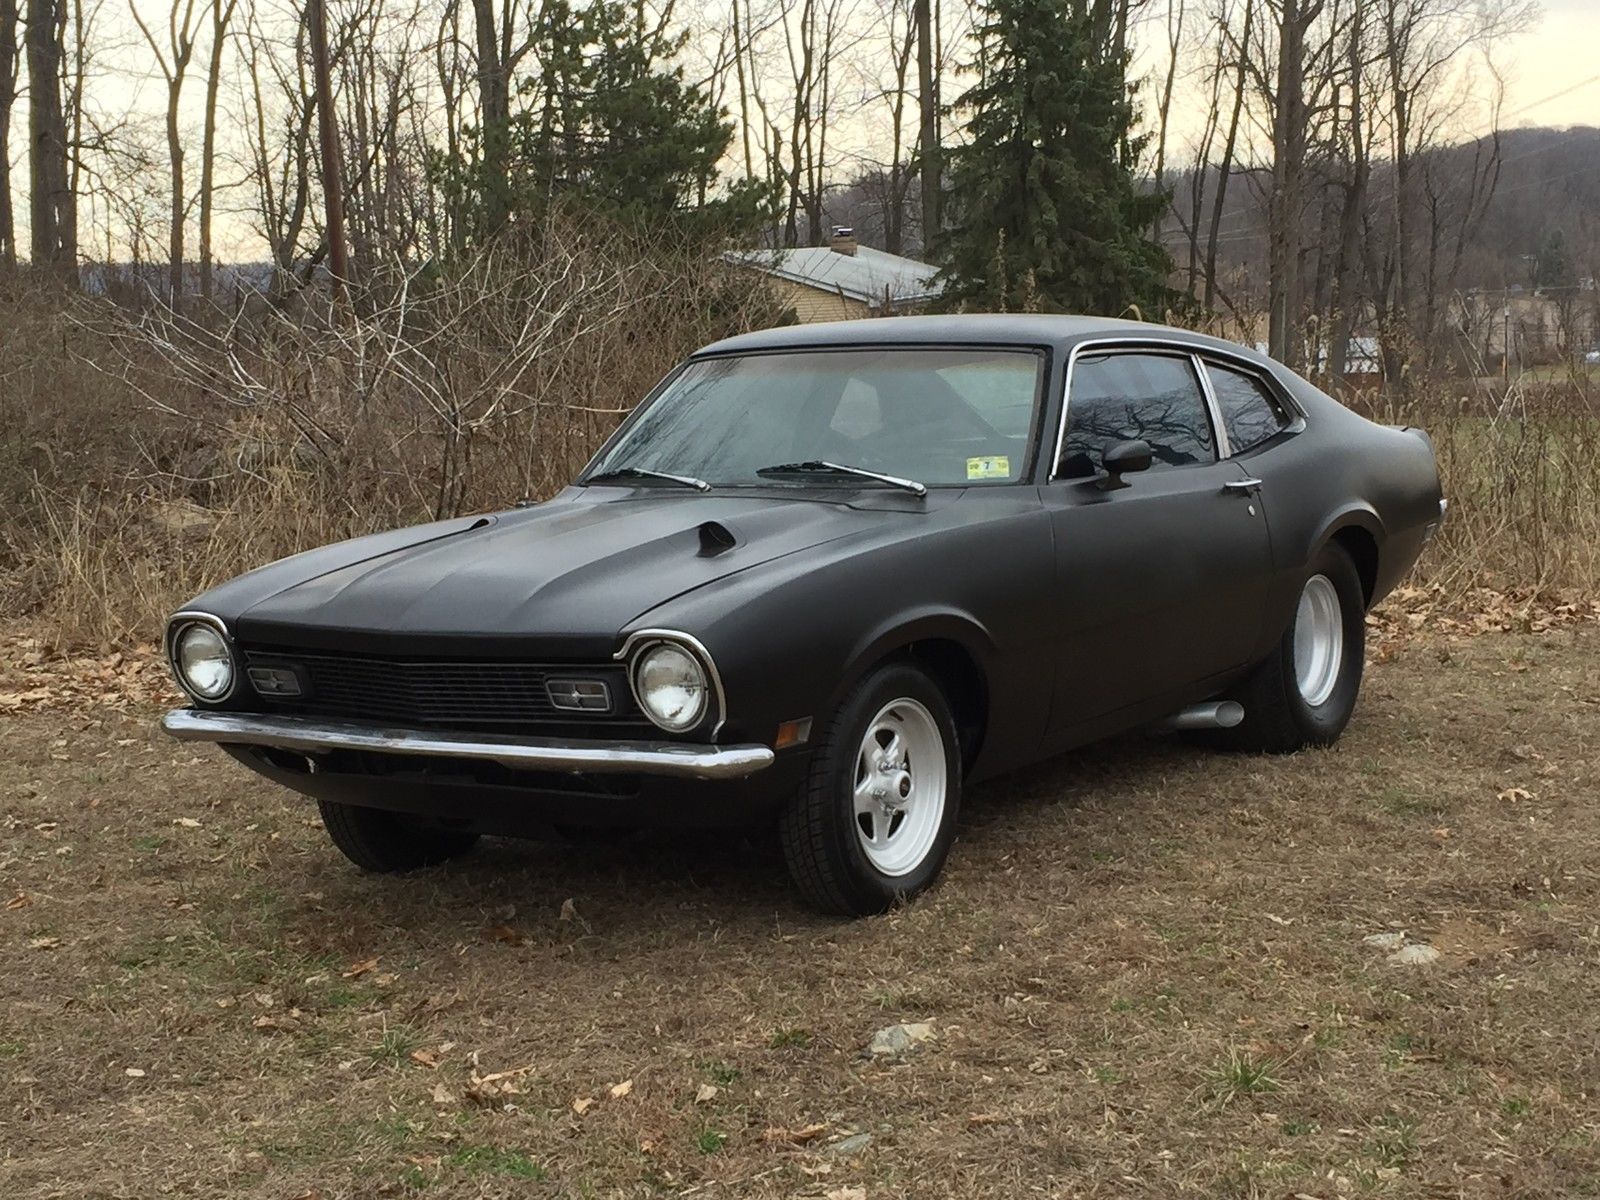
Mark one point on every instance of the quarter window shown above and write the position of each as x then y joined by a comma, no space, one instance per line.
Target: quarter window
1119,397
1250,413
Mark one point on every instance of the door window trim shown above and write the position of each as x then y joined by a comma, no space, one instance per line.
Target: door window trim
1136,344
1158,347
1295,421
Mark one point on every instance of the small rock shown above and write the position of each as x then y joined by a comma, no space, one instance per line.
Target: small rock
850,1146
1418,954
1384,941
897,1039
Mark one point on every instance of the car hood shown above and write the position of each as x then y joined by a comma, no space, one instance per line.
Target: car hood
575,570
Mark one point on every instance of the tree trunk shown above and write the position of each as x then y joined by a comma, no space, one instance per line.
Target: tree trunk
1343,300
1284,212
494,106
1225,167
221,14
53,219
928,139
175,229
1175,13
8,95
739,52
328,148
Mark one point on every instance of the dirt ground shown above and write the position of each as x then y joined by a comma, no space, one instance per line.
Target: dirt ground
1145,975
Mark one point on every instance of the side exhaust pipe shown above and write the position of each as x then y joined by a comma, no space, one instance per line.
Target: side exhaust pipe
1214,714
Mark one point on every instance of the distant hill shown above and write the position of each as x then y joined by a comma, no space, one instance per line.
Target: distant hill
1549,181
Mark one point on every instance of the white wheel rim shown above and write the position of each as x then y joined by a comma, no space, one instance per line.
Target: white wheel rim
900,782
1318,640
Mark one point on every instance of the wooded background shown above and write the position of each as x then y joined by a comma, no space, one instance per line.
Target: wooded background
1335,167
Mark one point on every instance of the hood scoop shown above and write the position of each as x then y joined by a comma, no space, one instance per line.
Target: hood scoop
715,538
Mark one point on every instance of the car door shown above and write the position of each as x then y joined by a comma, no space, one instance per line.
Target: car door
1160,582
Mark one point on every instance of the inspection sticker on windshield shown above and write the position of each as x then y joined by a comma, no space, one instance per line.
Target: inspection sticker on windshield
990,466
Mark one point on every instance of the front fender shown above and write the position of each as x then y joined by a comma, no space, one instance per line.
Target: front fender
792,637
895,633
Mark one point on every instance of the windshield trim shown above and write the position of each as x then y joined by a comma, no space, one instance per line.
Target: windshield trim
1026,477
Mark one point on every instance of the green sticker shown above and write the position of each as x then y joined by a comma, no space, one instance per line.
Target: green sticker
990,466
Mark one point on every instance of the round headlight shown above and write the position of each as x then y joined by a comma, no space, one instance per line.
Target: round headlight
203,661
671,686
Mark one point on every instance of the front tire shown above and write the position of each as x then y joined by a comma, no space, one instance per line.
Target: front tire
389,843
1305,691
872,823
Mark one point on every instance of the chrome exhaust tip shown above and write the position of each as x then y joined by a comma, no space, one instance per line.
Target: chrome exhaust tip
1213,714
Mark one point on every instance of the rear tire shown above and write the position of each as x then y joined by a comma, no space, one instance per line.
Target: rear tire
389,843
872,823
1305,691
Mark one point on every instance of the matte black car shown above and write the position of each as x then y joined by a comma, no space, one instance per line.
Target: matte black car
823,577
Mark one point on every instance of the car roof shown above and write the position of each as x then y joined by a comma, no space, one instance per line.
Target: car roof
1000,329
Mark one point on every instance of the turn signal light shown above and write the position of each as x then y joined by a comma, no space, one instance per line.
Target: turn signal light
792,733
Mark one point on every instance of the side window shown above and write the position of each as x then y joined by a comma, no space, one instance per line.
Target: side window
1250,413
1118,397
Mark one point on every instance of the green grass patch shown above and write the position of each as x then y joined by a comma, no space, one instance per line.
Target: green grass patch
493,1160
720,1073
709,1141
395,1045
1241,1074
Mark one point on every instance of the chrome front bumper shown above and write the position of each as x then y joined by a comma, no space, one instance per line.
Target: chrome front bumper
579,757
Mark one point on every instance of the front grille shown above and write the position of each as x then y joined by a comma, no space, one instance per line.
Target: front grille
487,696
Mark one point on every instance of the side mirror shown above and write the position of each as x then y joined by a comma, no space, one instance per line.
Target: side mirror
1122,459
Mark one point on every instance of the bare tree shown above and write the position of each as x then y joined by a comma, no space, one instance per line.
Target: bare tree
10,19
1230,145
279,140
52,209
173,59
329,159
494,105
928,142
221,16
1291,90
1175,10
1352,142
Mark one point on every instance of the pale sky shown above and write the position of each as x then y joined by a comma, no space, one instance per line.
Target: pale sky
1561,52
1551,74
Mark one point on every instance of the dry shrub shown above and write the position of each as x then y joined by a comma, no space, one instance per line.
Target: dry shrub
215,443
1521,468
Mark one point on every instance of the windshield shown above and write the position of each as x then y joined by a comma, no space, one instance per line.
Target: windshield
939,417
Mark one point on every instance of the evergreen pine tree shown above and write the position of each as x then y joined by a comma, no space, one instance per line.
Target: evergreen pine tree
1045,211
608,123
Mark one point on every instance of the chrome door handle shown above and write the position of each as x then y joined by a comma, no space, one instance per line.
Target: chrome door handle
1242,485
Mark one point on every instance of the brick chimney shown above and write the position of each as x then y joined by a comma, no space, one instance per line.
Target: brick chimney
843,240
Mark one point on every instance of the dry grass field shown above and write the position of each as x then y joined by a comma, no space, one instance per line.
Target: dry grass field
1145,974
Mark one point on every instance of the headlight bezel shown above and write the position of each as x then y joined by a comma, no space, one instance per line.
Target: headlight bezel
645,641
177,627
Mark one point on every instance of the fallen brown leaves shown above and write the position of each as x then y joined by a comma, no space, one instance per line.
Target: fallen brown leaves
33,677
1410,611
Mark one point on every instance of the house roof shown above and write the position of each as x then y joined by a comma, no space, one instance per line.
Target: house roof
868,275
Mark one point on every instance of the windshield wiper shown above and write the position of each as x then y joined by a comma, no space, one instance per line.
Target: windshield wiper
688,481
818,467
